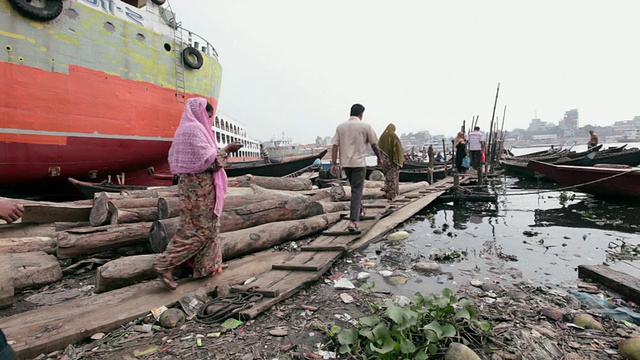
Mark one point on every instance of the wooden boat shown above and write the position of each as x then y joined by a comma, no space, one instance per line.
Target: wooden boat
626,157
519,166
547,152
600,181
88,189
275,170
416,175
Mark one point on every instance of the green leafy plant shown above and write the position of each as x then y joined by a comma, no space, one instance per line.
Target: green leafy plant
415,331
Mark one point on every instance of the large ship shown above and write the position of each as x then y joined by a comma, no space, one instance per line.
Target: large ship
94,88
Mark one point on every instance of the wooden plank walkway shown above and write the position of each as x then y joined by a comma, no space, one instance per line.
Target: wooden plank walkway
51,328
626,285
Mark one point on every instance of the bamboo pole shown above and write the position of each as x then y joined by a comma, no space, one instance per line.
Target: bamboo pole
495,103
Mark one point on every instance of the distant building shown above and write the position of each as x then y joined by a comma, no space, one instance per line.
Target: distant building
537,125
620,127
569,123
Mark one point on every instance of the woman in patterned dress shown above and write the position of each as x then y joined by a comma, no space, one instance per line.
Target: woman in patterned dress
202,185
393,158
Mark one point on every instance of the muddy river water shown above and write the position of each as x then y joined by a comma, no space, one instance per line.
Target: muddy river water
533,233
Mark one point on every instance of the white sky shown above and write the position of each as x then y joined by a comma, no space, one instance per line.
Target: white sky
297,66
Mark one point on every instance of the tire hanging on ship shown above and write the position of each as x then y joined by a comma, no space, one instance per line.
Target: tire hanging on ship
158,2
51,9
187,54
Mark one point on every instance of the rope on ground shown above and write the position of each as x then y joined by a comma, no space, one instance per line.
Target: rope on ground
572,186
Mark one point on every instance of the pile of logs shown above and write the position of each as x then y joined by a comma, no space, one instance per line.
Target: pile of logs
124,232
52,239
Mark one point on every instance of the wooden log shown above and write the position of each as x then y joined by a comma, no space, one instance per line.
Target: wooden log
331,207
129,270
343,193
103,207
50,213
86,241
28,244
127,216
276,183
624,284
170,207
99,214
6,282
17,230
165,191
62,226
248,216
125,271
34,269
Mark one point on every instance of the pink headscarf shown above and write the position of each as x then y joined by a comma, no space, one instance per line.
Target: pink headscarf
194,148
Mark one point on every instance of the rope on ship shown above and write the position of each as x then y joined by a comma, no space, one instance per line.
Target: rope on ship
572,186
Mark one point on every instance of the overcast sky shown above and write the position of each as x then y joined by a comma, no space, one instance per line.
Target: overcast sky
296,66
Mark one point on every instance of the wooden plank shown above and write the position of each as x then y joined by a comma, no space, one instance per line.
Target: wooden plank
289,283
374,206
341,233
295,267
402,200
252,288
6,282
389,222
626,285
323,248
51,328
50,213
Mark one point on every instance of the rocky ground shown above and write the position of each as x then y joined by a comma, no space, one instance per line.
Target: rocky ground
528,322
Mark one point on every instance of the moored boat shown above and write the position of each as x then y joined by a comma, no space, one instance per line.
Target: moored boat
621,183
282,168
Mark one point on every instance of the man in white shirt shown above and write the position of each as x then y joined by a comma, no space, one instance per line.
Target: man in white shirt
352,140
476,147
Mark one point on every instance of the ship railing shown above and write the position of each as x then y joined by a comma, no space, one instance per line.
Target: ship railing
167,14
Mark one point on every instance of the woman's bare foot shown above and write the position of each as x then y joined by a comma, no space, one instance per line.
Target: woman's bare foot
167,279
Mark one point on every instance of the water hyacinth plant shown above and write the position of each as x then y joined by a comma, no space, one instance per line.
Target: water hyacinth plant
418,330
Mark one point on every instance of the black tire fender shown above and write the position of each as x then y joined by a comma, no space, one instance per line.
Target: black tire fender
158,2
187,54
51,10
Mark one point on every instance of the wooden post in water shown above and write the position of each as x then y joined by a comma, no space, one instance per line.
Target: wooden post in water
456,179
493,116
430,153
480,175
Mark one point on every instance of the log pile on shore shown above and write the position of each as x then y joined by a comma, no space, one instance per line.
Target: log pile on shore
124,232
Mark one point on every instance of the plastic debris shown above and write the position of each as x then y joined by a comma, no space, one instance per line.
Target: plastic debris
231,324
346,298
343,283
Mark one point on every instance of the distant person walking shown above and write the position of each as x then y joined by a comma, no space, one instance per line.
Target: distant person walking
460,145
264,154
351,140
593,140
392,160
476,146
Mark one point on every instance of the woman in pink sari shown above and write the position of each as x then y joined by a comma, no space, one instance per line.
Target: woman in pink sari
202,186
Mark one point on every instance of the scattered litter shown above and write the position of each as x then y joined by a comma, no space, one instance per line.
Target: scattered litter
385,273
346,298
398,235
231,324
149,350
363,275
336,276
327,354
249,280
343,283
97,336
158,311
214,335
476,283
278,331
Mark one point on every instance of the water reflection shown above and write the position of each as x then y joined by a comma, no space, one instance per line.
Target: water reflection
566,231
592,213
